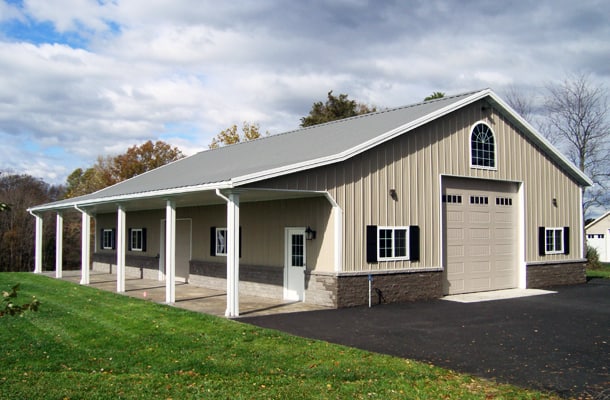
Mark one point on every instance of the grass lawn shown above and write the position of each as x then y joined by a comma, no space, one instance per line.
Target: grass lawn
89,344
603,272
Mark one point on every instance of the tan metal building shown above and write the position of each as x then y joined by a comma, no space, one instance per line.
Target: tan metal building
453,195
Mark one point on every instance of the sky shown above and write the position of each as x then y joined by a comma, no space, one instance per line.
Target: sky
86,78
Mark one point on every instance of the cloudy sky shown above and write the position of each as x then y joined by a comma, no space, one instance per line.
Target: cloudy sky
82,78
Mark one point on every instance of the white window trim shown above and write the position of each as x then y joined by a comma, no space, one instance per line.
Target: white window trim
561,242
135,231
107,245
219,253
406,257
495,167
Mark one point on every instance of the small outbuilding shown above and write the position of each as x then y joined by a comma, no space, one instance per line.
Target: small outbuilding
598,236
453,195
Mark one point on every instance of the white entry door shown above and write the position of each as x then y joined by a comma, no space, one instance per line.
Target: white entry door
294,266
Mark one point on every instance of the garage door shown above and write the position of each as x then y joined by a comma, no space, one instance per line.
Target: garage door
480,235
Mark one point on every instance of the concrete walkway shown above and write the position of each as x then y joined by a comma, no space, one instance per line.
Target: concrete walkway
189,296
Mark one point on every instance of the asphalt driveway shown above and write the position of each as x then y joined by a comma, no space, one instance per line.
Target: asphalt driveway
558,342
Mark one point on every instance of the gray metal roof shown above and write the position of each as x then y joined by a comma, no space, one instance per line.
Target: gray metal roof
238,164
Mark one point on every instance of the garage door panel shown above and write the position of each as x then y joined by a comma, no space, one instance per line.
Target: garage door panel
481,235
479,251
479,217
455,251
479,266
478,284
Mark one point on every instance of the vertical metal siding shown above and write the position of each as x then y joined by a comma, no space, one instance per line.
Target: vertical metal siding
412,165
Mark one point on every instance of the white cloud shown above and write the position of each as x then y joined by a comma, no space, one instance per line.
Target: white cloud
181,71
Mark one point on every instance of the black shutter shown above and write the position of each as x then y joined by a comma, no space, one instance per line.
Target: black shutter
414,243
102,239
113,239
541,241
240,241
129,239
371,244
566,240
143,239
213,241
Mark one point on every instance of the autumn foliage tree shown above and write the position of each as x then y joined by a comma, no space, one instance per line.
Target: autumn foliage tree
335,107
250,131
113,169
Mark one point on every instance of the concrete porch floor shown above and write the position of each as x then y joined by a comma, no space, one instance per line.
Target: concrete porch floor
189,296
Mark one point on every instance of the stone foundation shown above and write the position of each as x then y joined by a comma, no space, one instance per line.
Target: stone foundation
546,275
394,287
260,281
136,266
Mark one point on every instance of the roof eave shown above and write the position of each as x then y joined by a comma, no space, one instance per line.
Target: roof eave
166,193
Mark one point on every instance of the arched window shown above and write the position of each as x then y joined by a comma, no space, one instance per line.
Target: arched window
482,145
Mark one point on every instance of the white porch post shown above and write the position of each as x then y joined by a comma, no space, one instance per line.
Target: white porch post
85,247
170,252
59,237
233,255
38,245
120,250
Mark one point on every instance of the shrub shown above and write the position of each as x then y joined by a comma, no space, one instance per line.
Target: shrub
593,258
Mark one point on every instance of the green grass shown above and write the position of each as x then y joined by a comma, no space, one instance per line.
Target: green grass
89,344
603,272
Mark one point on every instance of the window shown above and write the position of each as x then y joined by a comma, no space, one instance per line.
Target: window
298,250
504,201
385,243
108,241
482,145
553,240
221,242
452,198
479,200
137,239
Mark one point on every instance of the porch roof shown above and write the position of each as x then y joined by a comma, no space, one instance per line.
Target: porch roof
236,165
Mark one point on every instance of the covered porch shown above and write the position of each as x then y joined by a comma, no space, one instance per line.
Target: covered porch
189,296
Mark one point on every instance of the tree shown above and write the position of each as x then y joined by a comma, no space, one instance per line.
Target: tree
17,225
435,95
578,121
522,103
335,108
110,170
250,131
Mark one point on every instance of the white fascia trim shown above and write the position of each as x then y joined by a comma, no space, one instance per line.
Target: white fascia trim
133,196
319,162
590,224
537,136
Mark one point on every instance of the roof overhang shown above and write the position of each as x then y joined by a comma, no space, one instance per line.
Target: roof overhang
494,100
181,198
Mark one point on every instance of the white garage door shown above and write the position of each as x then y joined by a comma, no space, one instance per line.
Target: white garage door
480,227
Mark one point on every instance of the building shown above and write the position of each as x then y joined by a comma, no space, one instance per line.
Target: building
598,236
453,195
